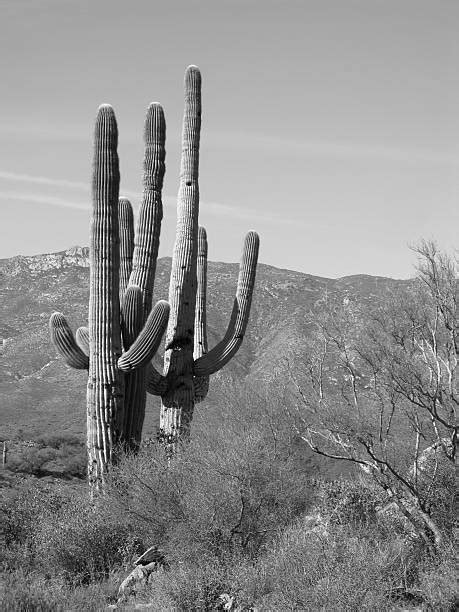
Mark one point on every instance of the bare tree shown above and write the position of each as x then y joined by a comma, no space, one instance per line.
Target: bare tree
380,388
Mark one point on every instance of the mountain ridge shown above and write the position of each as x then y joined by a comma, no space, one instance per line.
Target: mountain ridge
79,256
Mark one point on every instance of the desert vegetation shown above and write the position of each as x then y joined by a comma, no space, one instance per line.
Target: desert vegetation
240,520
325,483
240,517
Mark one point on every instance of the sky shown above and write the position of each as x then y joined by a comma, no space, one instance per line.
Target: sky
329,126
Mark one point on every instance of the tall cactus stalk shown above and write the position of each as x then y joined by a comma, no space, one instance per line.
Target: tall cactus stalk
121,270
187,364
105,391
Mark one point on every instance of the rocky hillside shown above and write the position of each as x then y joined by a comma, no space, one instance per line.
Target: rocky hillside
40,394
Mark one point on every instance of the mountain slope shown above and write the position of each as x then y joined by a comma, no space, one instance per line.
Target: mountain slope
40,394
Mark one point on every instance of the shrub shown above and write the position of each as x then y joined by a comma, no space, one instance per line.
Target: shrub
315,570
58,531
25,509
83,543
59,455
195,586
438,584
226,494
349,502
23,592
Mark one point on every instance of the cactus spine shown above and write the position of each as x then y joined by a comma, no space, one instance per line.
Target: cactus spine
187,365
120,270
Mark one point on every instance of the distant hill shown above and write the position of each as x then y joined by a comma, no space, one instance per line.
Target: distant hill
40,394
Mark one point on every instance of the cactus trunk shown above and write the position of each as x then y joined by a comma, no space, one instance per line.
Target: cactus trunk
178,403
187,362
144,259
105,391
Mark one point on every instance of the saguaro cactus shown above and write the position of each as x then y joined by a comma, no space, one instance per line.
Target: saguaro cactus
187,364
122,273
119,269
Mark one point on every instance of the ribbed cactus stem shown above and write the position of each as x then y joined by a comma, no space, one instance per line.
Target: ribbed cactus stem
105,382
126,226
219,356
82,339
182,290
177,407
201,384
144,261
151,209
200,322
64,341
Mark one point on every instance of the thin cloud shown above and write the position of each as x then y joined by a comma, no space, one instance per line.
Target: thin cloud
43,199
245,213
208,207
41,180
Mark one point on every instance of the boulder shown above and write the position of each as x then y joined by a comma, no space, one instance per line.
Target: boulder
137,579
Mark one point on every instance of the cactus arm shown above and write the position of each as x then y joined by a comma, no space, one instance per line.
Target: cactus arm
82,339
156,383
64,341
126,227
105,381
216,358
134,395
201,384
200,323
147,342
177,406
131,315
151,210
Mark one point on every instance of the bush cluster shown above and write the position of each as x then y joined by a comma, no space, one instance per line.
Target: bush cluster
58,455
240,522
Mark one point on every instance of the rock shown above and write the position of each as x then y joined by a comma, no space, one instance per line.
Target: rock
226,601
137,579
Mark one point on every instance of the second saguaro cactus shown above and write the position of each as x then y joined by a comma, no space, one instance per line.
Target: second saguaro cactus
187,364
124,332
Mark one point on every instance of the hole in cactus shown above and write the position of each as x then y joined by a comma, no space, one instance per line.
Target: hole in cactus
188,183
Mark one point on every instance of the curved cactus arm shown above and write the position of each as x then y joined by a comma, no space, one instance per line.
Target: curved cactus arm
126,229
147,342
64,341
151,210
131,315
82,339
134,393
215,359
201,384
156,383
